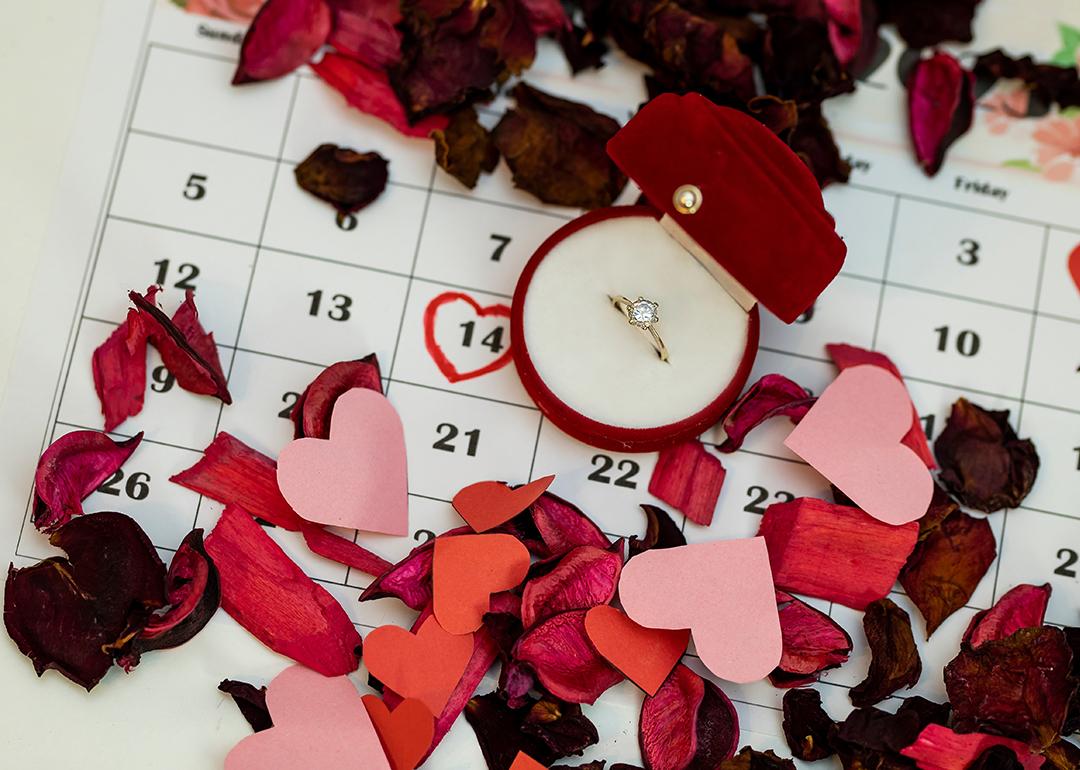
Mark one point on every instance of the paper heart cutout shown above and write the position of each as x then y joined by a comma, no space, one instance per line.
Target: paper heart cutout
645,655
358,478
406,732
467,570
439,356
852,436
319,718
1074,266
524,762
487,504
426,665
722,591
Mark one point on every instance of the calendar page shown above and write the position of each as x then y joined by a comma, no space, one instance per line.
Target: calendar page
177,178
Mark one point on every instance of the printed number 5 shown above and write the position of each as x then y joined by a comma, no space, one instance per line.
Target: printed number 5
195,187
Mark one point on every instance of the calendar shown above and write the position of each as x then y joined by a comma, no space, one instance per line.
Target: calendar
179,179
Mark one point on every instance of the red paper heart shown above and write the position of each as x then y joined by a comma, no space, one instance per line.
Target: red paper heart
446,366
467,570
426,665
405,733
524,762
645,655
487,504
1074,266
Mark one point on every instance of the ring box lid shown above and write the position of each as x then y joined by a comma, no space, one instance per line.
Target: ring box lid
760,216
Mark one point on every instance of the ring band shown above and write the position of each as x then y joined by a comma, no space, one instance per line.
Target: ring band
644,314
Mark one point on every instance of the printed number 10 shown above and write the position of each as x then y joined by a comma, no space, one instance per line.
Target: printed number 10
967,341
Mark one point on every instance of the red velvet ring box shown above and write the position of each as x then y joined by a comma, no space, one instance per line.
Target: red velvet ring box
734,218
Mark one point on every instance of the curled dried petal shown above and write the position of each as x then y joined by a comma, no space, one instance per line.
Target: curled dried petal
346,179
583,578
562,525
748,759
941,103
119,369
366,30
923,23
251,701
464,148
1023,606
806,725
546,729
283,35
772,396
894,659
689,478
312,410
689,722
565,662
660,532
813,643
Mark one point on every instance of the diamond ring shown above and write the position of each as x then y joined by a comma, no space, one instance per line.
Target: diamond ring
644,314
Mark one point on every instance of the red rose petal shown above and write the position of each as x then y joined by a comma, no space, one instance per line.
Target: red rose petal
689,478
70,469
119,368
266,593
845,356
563,526
311,413
834,552
366,30
772,396
546,16
1021,607
939,748
283,35
688,723
564,659
583,578
369,91
337,548
813,643
941,99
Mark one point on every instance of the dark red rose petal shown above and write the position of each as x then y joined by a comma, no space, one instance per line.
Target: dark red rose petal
941,507
799,62
559,651
894,661
772,396
1049,84
546,16
71,468
465,149
369,91
283,35
924,23
1021,607
346,179
939,748
1019,686
312,410
266,593
689,478
119,368
849,355
983,462
660,532
544,728
562,526
688,723
556,150
583,578
748,759
366,30
871,738
71,613
806,725
813,643
946,566
834,552
941,102
813,141
251,701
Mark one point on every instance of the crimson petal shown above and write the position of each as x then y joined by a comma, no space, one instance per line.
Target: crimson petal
312,411
689,722
689,478
772,396
119,369
565,662
813,643
583,578
1023,606
941,103
366,30
563,526
283,35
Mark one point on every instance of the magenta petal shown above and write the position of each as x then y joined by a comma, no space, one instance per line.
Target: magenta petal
365,30
563,526
689,478
410,579
939,748
845,28
813,642
283,35
1021,607
585,577
689,722
546,16
70,469
941,98
772,396
565,662
119,368
311,413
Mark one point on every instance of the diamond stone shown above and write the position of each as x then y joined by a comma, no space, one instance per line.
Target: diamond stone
643,313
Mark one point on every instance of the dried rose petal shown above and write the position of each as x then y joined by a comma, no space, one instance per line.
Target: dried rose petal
337,548
941,102
660,532
556,150
69,614
1049,83
941,507
464,148
365,30
71,468
982,460
799,62
1019,686
939,748
565,662
813,141
689,478
562,526
251,701
806,725
266,593
119,368
834,552
409,580
894,661
312,410
346,179
1021,607
582,49
583,578
186,349
845,28
772,396
688,723
748,759
193,593
997,758
871,738
946,566
546,16
845,356
283,35
544,728
813,643
924,23
369,91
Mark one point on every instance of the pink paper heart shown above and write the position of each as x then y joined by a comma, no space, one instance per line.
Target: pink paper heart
722,591
357,478
852,436
321,719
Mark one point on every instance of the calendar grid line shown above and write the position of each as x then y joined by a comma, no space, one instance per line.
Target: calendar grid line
890,244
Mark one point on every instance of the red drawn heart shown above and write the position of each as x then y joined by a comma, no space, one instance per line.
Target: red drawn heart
487,504
446,366
645,655
405,733
1074,266
467,570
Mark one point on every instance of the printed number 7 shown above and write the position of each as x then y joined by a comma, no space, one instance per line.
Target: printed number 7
504,241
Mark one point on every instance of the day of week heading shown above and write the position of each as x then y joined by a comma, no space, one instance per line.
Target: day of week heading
221,34
979,187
